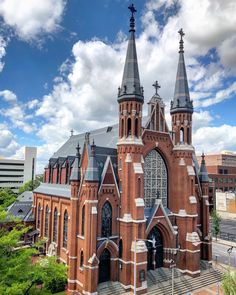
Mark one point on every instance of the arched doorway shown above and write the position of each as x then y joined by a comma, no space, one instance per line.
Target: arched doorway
155,249
104,266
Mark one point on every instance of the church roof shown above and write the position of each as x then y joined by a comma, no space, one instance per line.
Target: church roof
181,101
130,87
203,174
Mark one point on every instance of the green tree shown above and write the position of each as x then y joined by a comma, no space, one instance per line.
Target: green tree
216,219
7,197
18,274
31,185
229,283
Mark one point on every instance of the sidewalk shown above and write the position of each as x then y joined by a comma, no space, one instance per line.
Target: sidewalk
223,242
209,290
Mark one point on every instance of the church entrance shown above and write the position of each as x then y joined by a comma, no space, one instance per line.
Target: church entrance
155,249
104,266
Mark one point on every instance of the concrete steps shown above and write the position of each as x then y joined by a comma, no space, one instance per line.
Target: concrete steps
159,283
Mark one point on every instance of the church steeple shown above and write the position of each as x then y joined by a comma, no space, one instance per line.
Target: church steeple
181,107
130,87
75,173
203,175
181,102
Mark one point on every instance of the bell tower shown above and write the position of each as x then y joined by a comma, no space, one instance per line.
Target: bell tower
132,223
181,106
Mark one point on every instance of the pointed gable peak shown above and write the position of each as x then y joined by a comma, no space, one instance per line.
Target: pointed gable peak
181,101
75,173
92,172
130,88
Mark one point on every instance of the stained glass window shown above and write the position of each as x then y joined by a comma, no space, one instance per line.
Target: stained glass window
106,220
55,225
38,221
65,229
83,220
155,179
46,222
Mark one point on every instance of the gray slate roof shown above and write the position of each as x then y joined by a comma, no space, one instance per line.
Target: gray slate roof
52,189
21,210
26,196
181,101
130,87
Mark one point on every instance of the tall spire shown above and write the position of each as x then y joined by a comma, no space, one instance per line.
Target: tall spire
181,102
75,173
130,87
203,175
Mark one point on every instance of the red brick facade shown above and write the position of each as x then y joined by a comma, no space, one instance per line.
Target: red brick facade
139,206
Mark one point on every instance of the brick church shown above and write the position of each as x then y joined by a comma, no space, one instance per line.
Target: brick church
119,201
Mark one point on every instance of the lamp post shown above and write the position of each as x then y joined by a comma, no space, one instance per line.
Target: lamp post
172,265
135,258
229,252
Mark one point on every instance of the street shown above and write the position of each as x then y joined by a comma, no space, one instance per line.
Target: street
222,255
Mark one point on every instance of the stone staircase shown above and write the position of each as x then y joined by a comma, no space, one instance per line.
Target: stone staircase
159,282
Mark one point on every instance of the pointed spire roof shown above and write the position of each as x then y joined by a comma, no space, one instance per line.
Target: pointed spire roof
92,172
130,87
181,101
203,174
75,172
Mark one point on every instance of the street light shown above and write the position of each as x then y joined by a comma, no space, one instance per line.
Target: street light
153,241
172,265
229,252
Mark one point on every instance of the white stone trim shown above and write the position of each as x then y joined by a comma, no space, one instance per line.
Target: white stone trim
62,260
80,237
90,267
138,169
182,162
183,213
138,246
74,199
127,218
131,262
75,281
89,293
91,201
183,147
139,202
193,237
72,257
94,210
143,287
189,271
190,251
128,158
111,237
130,140
192,200
191,171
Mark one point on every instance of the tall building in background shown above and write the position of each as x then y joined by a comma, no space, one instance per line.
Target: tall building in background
14,173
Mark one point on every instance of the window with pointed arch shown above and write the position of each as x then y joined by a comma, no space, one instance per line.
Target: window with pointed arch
83,221
106,220
55,225
82,259
155,179
38,215
46,222
65,229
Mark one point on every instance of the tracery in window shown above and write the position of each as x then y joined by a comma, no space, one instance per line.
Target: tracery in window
46,222
155,179
106,220
55,225
65,229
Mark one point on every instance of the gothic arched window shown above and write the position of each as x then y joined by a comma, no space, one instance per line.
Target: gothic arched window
39,211
67,173
128,127
55,225
120,248
155,179
188,136
82,259
136,127
181,135
46,222
65,229
83,221
106,220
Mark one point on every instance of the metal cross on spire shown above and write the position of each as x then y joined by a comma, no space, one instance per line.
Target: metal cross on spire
71,132
156,86
132,21
181,42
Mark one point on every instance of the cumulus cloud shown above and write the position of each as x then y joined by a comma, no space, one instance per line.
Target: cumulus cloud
3,45
8,145
30,18
8,96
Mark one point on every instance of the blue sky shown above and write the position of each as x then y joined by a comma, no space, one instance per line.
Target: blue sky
61,63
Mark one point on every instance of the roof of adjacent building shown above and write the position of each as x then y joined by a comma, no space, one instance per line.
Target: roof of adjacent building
22,210
26,196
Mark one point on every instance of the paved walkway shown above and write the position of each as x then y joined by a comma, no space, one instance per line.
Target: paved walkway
209,290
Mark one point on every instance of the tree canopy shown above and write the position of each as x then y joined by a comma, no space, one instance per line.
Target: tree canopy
31,185
229,283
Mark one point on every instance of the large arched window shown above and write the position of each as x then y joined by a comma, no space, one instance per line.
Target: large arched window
65,229
155,179
46,222
39,211
106,220
55,225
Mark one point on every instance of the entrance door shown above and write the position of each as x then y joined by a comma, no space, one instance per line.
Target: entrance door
155,235
104,266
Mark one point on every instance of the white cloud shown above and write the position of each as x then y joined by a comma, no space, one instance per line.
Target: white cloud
8,145
31,18
8,96
3,45
214,139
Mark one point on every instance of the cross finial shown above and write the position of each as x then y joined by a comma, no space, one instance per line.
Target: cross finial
156,86
181,42
132,21
78,150
71,132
